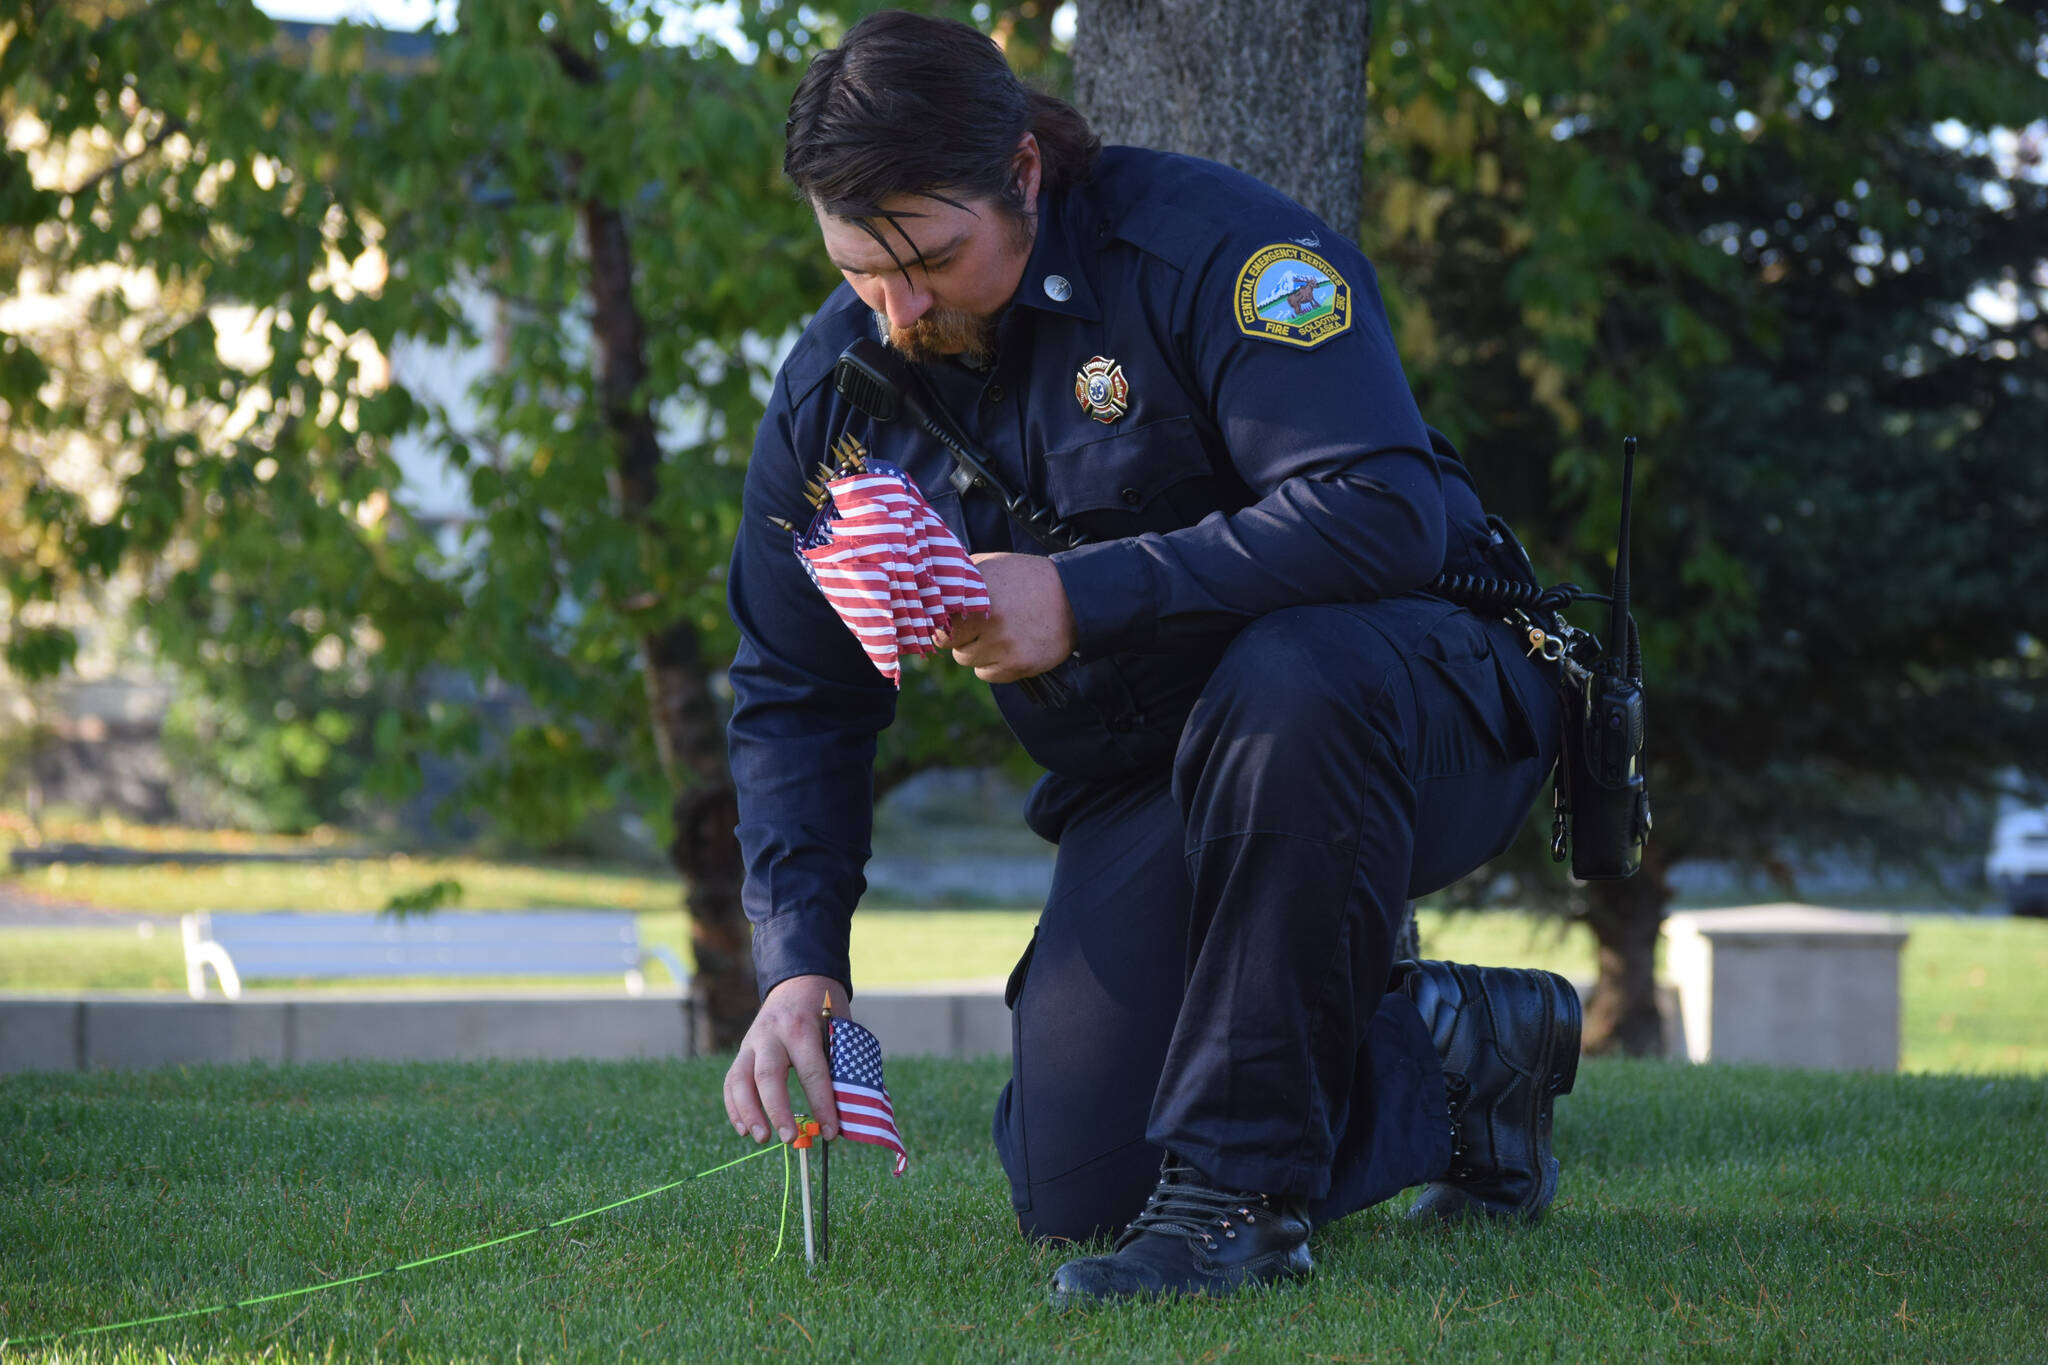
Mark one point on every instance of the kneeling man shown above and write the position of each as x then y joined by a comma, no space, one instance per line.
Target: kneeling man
1272,735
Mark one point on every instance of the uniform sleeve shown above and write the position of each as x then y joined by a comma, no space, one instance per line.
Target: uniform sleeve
807,706
1350,501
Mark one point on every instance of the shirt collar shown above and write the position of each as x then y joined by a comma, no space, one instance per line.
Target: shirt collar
1054,281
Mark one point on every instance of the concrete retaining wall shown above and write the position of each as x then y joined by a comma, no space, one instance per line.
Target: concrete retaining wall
956,1020
119,1032
114,1032
101,1032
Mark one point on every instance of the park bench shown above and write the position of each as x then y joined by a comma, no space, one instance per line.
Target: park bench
295,944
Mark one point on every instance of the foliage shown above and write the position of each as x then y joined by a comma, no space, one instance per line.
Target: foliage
431,897
1787,244
279,743
297,237
315,212
1797,247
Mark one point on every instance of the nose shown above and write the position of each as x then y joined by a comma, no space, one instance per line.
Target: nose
903,301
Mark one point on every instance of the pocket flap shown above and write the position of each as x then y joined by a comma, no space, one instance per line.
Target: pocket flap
1126,471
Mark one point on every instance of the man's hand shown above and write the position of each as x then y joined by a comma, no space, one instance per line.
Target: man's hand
785,1036
1030,625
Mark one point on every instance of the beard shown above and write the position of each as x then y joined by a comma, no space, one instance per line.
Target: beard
955,331
944,331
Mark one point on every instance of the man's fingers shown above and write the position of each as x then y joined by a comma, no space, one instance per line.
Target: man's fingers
991,662
815,1075
771,1083
977,652
742,1105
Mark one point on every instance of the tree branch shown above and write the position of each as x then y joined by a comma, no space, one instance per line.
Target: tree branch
574,64
486,443
562,309
172,125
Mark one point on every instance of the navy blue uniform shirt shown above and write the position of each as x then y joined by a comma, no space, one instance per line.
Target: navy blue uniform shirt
1266,453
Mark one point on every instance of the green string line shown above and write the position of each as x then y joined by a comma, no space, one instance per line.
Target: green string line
783,1221
425,1260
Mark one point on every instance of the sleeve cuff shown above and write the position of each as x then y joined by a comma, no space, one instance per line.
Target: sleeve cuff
798,944
1109,589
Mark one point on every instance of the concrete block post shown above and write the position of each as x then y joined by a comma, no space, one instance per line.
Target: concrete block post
1788,985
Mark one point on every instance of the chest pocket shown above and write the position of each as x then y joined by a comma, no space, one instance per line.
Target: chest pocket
1156,477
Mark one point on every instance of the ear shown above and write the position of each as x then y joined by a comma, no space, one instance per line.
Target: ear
1027,169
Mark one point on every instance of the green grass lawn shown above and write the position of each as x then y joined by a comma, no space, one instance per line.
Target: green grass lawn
349,884
1705,1213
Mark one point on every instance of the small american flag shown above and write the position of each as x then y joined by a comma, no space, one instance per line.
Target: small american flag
865,1114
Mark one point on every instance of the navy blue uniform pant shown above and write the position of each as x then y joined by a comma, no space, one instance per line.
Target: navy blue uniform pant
1210,972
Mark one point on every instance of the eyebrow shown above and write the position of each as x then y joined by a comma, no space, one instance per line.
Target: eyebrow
944,249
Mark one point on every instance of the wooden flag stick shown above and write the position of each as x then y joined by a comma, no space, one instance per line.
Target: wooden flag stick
825,1153
808,1131
803,1178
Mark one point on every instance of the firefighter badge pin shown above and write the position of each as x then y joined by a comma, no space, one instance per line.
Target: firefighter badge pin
1287,293
1103,391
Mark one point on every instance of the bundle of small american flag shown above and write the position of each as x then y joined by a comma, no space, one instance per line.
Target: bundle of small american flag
890,568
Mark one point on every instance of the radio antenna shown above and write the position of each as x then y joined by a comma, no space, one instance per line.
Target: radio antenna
1618,628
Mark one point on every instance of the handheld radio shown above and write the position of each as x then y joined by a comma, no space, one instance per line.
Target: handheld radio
1603,804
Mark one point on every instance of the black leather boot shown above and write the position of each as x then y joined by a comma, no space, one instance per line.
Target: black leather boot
1509,1039
1193,1239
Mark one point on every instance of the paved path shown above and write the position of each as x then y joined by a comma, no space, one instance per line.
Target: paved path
24,909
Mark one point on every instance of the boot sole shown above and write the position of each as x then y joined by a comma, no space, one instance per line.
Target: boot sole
1567,1019
1561,1073
1295,1266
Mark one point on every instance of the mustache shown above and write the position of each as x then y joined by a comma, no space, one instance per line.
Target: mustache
943,331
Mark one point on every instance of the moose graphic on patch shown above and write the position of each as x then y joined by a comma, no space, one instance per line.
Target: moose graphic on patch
1289,294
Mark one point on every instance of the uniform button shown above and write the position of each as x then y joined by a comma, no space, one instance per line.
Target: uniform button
994,393
1132,497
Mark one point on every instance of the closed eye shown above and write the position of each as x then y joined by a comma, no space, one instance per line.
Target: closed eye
930,268
940,258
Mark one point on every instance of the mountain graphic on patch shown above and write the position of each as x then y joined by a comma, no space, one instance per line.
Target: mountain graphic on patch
1299,297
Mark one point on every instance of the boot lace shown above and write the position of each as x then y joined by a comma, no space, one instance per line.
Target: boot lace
1184,1207
1459,1091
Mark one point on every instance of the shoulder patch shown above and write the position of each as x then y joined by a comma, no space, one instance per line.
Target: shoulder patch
1289,294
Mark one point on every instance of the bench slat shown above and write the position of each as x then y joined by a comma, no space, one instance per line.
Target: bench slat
513,943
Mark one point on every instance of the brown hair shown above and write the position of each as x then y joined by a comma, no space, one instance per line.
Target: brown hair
908,104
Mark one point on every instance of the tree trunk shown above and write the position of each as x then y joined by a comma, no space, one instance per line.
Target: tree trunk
687,735
1205,77
1274,88
1626,918
706,852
